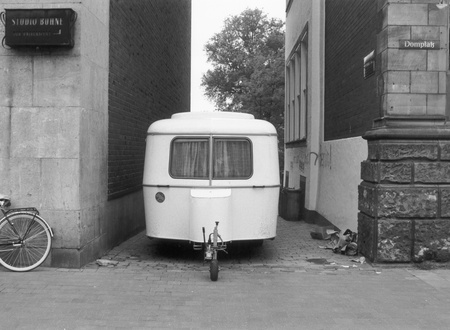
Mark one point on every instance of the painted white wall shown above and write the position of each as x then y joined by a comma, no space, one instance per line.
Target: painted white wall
332,168
299,14
307,15
340,167
296,163
315,95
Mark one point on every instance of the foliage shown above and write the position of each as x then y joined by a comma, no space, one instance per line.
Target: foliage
247,74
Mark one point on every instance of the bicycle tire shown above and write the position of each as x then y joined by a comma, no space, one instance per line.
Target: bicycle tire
214,270
30,251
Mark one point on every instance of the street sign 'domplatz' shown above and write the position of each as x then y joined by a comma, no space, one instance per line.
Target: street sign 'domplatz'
420,44
39,27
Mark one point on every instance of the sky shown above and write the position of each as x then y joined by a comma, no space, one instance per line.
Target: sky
208,18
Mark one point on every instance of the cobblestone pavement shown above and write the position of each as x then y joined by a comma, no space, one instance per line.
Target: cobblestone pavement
290,250
160,286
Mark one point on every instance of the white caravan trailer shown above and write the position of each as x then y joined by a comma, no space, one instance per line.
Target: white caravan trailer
208,167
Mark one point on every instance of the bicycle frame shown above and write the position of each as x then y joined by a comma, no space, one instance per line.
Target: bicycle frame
29,210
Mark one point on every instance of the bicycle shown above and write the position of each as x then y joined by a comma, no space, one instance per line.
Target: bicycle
211,250
25,237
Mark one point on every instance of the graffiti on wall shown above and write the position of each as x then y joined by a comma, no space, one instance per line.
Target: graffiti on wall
299,161
302,159
325,156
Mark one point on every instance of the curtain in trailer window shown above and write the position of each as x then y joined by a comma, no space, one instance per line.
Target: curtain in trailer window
190,158
232,159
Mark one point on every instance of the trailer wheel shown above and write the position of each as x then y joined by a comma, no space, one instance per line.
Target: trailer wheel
258,242
214,270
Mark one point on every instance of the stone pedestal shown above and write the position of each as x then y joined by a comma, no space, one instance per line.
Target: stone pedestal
404,200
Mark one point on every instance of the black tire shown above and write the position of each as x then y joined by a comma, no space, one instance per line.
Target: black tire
214,270
258,243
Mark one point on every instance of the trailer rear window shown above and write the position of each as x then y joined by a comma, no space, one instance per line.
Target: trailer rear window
190,158
231,158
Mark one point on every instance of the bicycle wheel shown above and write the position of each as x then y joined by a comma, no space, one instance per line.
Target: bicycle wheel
25,241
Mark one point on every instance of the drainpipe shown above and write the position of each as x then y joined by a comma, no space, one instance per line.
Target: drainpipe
316,105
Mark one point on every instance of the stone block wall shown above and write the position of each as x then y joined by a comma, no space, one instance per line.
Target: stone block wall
54,109
403,201
404,196
55,115
412,81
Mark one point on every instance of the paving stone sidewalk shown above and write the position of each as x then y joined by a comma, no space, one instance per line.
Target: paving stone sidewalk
292,249
156,286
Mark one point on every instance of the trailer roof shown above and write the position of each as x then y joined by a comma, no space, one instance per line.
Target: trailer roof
191,123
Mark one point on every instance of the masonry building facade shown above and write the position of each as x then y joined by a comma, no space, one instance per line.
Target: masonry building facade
366,121
73,120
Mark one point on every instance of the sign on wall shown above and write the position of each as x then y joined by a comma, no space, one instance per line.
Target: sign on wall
39,27
419,44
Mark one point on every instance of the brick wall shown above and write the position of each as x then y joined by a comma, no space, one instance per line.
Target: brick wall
351,102
149,79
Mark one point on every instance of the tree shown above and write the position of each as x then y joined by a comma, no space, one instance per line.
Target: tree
247,57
